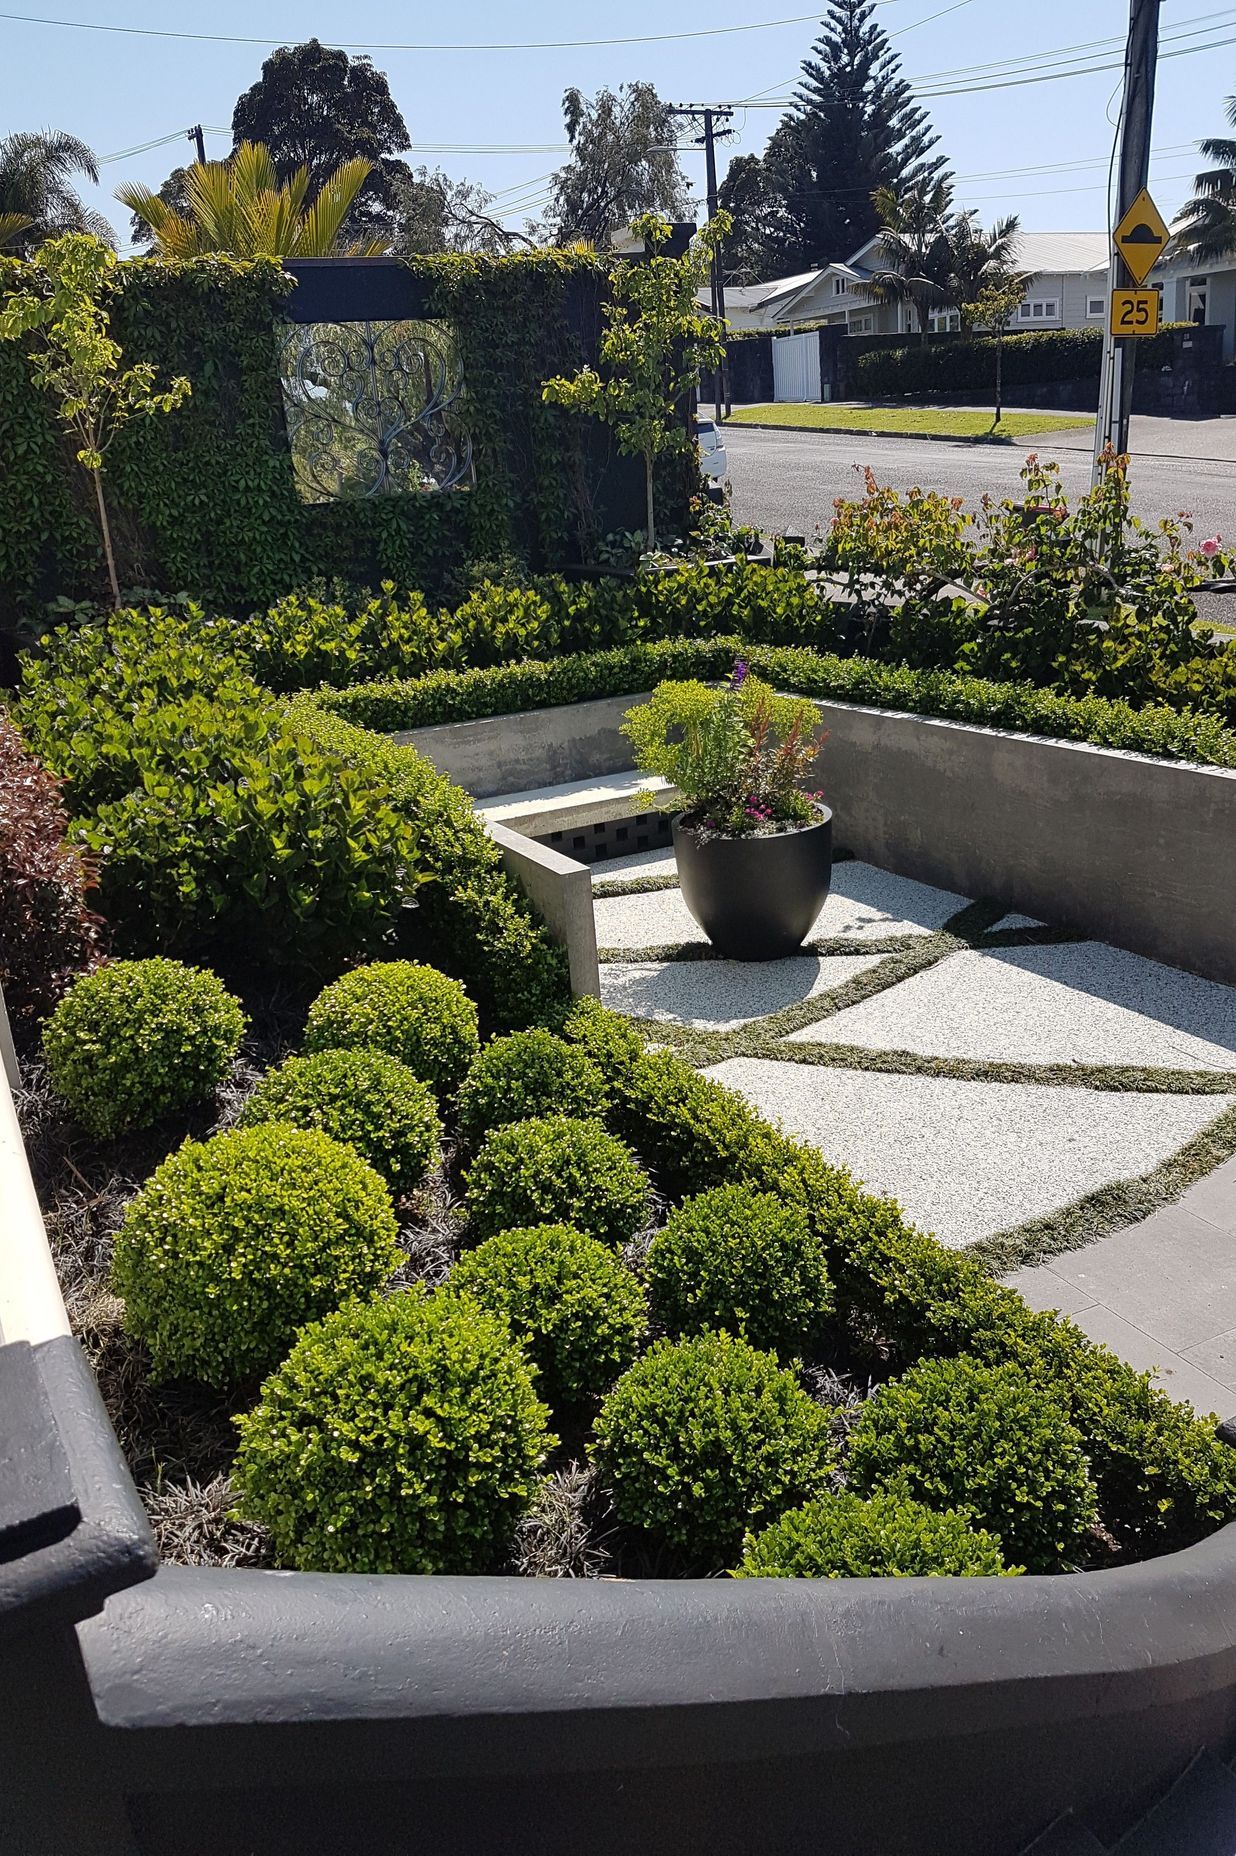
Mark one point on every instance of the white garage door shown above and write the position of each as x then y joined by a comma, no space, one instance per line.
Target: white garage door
796,366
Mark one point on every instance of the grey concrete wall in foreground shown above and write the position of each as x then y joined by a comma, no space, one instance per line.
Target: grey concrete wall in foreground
562,890
1132,850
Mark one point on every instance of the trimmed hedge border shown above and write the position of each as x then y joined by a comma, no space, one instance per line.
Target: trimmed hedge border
386,707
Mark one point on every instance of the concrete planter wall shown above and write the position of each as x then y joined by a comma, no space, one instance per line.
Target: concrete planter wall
1132,850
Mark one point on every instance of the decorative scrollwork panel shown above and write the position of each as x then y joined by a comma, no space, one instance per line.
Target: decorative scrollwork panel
373,409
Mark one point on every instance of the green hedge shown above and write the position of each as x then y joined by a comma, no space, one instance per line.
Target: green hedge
1037,357
466,695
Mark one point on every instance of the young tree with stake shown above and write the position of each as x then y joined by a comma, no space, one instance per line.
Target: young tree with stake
656,340
61,295
993,309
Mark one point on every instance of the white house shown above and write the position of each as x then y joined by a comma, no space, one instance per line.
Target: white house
1067,290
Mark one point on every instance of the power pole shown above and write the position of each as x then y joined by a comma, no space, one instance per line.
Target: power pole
1116,380
195,135
712,114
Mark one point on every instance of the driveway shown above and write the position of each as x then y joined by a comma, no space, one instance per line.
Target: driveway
788,480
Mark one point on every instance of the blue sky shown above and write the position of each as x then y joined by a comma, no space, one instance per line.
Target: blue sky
119,91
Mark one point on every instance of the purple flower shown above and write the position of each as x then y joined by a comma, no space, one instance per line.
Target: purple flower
739,675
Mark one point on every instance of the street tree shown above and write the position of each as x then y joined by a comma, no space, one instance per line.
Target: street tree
622,163
854,128
239,207
655,341
61,302
314,107
979,257
37,197
993,309
1206,224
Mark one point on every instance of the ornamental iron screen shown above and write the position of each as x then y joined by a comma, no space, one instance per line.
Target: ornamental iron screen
373,409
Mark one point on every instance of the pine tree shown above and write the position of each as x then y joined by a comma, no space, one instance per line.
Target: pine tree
854,127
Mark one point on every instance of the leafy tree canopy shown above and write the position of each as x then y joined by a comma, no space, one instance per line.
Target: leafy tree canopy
37,199
314,107
622,163
854,128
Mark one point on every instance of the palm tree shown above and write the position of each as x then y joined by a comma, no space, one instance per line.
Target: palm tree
980,260
238,206
1206,224
914,239
37,201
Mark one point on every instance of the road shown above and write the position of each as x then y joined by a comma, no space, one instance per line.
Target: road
788,480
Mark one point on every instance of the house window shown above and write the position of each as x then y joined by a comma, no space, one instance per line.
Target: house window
1039,309
861,325
1095,305
1198,299
838,286
945,320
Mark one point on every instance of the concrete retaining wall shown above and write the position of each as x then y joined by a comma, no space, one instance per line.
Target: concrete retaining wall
1135,851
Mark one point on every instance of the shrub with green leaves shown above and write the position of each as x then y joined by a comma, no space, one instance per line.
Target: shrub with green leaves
744,1261
410,1011
307,639
556,1170
529,1073
364,1098
139,1040
234,1243
884,1537
987,1442
705,1438
578,1311
398,1436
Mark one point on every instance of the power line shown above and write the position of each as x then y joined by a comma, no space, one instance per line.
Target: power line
380,45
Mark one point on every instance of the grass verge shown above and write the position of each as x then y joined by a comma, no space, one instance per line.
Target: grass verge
918,421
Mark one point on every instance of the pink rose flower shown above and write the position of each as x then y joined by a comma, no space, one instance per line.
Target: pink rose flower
1211,548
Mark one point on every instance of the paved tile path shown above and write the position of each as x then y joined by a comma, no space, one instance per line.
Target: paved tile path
1011,1085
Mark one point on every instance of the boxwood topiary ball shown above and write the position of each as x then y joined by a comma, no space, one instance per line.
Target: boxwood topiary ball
578,1311
141,1039
555,1170
887,1536
986,1441
410,1011
234,1243
398,1436
367,1100
744,1261
702,1439
529,1073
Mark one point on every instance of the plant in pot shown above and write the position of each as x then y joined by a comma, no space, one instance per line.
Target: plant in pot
754,848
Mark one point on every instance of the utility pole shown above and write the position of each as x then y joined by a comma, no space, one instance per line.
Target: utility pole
195,135
713,114
1116,380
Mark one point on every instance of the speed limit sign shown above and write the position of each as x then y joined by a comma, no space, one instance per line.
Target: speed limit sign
1135,312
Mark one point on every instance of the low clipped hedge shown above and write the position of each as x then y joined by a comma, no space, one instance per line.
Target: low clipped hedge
884,1537
141,1039
1036,357
401,1436
578,1311
467,695
236,1242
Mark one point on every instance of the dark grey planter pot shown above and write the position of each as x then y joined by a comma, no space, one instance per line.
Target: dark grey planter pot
756,898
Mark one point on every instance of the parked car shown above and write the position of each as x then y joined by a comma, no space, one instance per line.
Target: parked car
713,461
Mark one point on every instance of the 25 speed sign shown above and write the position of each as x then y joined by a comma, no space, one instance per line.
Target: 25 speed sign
1135,312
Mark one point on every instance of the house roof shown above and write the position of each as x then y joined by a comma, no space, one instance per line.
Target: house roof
1061,251
762,296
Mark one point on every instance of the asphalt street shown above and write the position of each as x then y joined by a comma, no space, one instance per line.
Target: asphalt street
789,480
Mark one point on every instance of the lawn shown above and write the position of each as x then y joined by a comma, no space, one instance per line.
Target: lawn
934,421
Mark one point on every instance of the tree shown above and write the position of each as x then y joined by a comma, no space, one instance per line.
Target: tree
656,340
174,193
314,107
994,307
854,128
76,360
623,162
979,259
237,206
436,213
762,233
1206,224
37,200
914,230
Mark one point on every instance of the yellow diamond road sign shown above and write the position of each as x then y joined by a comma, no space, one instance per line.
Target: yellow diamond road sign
1142,237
